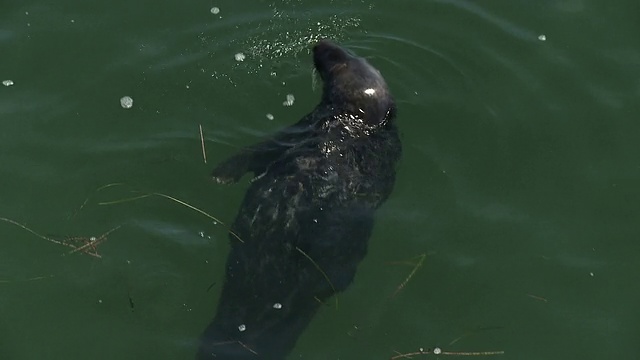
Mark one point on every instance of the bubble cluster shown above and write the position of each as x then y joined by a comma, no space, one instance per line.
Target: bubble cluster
126,102
289,101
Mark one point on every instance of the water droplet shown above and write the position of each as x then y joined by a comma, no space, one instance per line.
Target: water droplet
242,328
126,102
270,116
290,100
277,306
437,351
215,10
239,57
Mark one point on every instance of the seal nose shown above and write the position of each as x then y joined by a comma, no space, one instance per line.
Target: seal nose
325,45
327,54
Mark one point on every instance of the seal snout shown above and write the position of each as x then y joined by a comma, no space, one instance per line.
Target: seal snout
327,55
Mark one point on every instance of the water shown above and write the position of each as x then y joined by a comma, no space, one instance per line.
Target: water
519,177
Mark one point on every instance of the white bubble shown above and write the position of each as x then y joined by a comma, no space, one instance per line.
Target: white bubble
92,239
239,57
542,37
290,100
126,102
277,306
270,116
437,351
215,10
242,328
7,82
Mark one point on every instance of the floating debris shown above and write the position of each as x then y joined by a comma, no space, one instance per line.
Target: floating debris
126,102
290,100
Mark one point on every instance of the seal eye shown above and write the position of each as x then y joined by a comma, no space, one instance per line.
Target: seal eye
337,67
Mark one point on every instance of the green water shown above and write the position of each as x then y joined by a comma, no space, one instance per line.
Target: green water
519,178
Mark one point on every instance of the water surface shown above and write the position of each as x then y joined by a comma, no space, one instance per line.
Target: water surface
519,178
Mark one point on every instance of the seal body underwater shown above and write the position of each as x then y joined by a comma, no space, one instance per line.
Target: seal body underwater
307,215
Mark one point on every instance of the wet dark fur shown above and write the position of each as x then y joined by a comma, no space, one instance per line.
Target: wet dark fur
316,187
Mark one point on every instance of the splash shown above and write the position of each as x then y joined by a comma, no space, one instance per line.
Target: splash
292,28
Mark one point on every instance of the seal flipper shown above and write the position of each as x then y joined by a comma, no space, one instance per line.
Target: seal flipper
232,169
258,157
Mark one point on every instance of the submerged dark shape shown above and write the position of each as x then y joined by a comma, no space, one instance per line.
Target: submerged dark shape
307,216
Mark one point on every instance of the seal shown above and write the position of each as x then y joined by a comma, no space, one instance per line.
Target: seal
307,216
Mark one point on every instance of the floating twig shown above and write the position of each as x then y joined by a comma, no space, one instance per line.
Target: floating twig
90,245
87,245
322,272
472,332
236,342
183,203
28,279
537,297
31,231
438,351
415,268
204,152
89,197
248,348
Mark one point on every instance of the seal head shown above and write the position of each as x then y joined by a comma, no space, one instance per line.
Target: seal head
352,84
